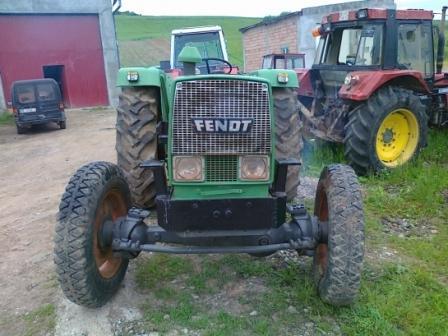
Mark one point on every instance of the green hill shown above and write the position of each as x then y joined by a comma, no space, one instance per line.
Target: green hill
145,40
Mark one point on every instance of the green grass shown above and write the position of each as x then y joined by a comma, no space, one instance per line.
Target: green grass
406,294
41,321
6,118
160,27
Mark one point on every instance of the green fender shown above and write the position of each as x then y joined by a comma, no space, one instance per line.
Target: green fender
146,76
272,76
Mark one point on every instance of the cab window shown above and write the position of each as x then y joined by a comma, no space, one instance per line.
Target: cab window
415,48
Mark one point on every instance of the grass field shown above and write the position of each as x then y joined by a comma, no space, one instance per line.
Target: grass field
147,29
405,278
6,118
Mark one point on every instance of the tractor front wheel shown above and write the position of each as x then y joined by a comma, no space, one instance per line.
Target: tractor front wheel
338,261
387,131
88,271
136,141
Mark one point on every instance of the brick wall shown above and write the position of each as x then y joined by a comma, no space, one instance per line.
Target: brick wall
267,39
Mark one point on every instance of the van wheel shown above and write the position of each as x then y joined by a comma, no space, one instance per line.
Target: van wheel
20,130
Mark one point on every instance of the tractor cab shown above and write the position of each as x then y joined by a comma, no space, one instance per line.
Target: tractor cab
373,40
210,43
289,61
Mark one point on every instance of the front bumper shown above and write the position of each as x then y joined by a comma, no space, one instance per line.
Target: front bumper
222,214
256,225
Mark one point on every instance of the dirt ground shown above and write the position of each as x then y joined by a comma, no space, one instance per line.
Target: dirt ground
34,170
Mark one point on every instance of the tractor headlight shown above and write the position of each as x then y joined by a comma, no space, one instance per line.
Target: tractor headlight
282,77
254,167
188,168
133,76
351,80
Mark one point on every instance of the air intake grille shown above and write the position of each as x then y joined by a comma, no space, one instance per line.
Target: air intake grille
221,168
225,99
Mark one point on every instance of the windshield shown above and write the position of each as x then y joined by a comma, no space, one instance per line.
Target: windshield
208,44
267,62
360,46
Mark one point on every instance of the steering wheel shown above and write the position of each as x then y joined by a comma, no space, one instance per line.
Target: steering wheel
207,63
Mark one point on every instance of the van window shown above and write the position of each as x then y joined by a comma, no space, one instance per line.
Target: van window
25,94
46,92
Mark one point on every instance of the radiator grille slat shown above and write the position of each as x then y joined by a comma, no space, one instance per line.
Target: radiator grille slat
225,98
221,168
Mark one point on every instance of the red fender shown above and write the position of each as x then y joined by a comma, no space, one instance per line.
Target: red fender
305,85
365,83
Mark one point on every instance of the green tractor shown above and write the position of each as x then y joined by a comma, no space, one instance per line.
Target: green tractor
218,156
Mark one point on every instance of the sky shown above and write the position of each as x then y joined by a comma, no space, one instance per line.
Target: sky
249,8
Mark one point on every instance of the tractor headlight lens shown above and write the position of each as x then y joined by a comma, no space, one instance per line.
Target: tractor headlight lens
133,76
188,168
283,78
254,168
363,13
351,80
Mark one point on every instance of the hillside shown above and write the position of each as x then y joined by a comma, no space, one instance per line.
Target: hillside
145,40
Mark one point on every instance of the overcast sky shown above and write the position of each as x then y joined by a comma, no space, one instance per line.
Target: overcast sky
246,7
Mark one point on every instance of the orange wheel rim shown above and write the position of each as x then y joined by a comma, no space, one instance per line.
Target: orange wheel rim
111,207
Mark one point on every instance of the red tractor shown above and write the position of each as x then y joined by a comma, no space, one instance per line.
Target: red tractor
376,85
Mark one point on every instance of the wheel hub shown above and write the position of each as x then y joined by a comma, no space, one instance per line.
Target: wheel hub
111,207
397,138
388,136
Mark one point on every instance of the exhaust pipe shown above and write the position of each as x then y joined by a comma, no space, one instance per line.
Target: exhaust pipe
116,5
441,44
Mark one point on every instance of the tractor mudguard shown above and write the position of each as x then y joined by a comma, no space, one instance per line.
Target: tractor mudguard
272,75
139,76
306,86
364,84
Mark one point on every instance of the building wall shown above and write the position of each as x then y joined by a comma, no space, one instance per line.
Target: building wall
74,41
101,8
266,39
295,31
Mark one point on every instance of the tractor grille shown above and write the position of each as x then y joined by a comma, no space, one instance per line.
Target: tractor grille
225,99
221,168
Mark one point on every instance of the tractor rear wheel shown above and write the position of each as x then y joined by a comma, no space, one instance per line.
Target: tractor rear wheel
387,131
88,271
136,141
338,261
288,134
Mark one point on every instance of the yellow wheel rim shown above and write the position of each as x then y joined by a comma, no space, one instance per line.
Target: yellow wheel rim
397,138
